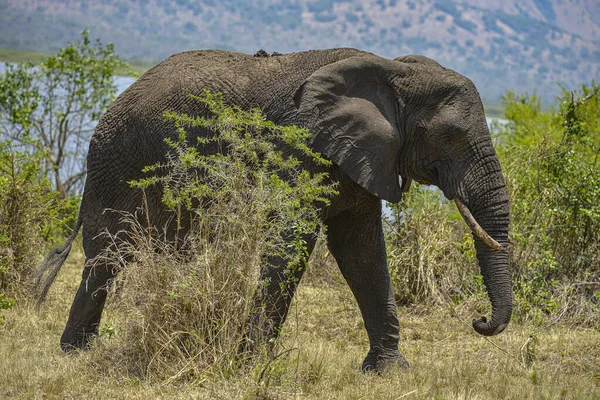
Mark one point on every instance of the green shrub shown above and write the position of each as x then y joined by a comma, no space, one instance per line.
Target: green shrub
5,304
31,216
551,161
182,308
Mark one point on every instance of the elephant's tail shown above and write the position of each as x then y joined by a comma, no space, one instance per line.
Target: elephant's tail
51,266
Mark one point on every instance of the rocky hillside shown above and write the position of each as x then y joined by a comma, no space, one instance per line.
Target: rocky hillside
500,44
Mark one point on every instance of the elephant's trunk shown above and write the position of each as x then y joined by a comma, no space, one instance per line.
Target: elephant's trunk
489,214
496,277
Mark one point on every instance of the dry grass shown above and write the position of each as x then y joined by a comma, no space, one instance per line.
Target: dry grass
180,315
431,255
323,345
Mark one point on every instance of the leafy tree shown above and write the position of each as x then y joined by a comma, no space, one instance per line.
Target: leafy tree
47,114
55,106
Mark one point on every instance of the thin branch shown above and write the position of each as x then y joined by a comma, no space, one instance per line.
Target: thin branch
557,318
588,97
264,370
521,351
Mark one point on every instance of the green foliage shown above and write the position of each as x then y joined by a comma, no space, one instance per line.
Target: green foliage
31,215
47,113
246,206
252,158
5,304
56,105
551,162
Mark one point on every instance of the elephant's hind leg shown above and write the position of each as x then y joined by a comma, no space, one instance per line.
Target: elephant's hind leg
86,310
273,299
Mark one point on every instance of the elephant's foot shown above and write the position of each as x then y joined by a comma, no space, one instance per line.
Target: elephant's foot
377,361
79,339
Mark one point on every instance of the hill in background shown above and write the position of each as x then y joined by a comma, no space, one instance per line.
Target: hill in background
520,44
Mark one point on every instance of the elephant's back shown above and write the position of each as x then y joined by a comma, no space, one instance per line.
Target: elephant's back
244,80
130,135
132,130
268,83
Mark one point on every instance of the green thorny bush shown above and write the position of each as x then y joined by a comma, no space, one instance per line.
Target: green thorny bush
31,216
551,161
180,310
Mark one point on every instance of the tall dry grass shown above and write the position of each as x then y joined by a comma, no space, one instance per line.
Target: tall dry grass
430,250
181,316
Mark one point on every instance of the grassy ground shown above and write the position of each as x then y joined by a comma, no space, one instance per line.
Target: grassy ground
21,56
324,343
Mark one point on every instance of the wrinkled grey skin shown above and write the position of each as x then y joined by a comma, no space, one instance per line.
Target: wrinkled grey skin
376,119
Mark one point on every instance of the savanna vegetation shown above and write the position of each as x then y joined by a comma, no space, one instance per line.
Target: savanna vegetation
176,315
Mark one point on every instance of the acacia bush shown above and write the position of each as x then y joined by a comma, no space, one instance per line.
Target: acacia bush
180,309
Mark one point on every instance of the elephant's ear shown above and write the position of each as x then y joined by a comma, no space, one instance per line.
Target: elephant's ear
353,114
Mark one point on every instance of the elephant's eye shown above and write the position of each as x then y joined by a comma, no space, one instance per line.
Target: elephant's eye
447,141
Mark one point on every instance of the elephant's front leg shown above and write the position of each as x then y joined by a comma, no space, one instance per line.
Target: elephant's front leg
355,238
278,283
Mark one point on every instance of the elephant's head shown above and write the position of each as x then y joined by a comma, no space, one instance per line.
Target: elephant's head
380,119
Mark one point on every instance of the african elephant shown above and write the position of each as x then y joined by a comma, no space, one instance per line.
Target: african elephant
376,119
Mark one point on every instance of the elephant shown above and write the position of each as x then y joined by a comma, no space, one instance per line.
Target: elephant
381,122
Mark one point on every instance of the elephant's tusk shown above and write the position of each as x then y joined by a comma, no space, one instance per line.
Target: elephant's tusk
476,228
